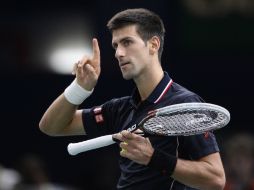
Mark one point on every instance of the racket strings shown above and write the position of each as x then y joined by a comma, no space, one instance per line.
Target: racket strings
186,122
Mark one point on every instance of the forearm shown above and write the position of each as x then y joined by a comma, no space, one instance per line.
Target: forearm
201,174
58,116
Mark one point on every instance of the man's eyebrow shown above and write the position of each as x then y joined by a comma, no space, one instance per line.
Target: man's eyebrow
121,40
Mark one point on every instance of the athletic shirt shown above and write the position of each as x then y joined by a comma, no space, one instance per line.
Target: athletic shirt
121,113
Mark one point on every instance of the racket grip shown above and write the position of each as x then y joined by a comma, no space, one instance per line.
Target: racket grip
76,148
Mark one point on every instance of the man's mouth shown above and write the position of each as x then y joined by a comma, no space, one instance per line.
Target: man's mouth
124,63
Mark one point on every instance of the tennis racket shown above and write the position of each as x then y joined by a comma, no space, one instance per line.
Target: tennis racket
175,120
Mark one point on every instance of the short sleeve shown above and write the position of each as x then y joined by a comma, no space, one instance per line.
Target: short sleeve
198,146
99,120
193,98
103,119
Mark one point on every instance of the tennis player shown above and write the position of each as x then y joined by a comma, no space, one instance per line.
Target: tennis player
179,163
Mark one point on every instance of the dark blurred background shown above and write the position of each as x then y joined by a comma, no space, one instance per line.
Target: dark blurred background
209,48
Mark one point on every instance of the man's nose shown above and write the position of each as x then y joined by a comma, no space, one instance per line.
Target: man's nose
119,52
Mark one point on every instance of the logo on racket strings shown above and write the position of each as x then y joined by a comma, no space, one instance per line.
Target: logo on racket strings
198,118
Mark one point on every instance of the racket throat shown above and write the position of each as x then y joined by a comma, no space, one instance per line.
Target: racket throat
132,128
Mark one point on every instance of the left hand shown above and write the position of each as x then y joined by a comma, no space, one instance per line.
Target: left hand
135,147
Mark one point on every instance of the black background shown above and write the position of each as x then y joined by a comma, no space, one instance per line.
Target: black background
211,54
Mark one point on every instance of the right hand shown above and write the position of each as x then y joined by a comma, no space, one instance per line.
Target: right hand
135,147
87,70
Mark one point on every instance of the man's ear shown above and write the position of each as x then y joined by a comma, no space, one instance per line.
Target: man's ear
154,45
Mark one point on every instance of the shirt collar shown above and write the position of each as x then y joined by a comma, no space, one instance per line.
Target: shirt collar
157,94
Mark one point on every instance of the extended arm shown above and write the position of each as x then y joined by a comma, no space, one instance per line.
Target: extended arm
62,116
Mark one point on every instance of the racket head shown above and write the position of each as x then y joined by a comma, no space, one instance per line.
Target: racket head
186,119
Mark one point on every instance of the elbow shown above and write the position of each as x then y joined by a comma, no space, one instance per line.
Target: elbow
214,182
221,182
45,128
218,183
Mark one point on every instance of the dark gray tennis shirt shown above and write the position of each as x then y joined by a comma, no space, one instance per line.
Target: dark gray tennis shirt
120,113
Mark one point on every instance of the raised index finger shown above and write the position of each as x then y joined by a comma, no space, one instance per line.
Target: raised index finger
96,50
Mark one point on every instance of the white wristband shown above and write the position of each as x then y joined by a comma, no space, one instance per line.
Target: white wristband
76,94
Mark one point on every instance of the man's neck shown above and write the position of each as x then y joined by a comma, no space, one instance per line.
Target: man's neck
148,82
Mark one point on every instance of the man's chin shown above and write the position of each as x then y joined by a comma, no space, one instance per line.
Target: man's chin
126,76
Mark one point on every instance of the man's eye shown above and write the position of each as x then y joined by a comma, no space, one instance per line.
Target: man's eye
126,43
114,46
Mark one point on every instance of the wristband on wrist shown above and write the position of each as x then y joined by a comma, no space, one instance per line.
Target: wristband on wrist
163,162
75,94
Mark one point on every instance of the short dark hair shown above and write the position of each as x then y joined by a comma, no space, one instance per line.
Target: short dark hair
148,24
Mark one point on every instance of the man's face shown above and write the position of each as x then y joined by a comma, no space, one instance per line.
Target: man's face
131,52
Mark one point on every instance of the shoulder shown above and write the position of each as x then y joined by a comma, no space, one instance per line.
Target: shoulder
117,104
180,94
118,101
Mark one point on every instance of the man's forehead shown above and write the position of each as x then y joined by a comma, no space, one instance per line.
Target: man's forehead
124,32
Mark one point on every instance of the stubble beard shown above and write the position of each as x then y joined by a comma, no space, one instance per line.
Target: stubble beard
127,76
128,73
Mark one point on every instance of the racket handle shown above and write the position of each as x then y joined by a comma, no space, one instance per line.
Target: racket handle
76,148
